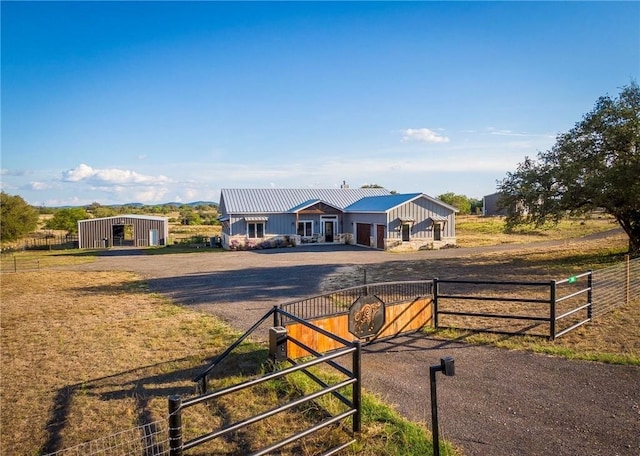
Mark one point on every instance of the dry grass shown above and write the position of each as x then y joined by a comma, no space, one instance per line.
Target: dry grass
90,354
475,231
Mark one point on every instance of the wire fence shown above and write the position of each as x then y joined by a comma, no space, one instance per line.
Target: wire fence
148,440
615,286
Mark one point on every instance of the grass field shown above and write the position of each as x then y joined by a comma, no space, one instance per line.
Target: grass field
89,354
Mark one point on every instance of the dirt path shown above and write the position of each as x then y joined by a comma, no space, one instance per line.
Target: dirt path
499,403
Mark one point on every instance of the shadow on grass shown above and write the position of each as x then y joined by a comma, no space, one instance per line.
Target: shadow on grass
146,383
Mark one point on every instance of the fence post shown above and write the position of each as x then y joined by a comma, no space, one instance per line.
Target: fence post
357,387
435,303
552,310
628,287
590,294
175,426
276,317
15,264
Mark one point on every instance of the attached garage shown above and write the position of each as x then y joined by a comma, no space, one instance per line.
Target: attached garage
363,234
123,231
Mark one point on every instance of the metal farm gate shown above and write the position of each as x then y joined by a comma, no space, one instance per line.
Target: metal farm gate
366,312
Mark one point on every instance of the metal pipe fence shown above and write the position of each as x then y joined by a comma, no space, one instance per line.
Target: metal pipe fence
515,307
351,407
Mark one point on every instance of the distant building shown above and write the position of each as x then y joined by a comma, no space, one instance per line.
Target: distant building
123,231
490,205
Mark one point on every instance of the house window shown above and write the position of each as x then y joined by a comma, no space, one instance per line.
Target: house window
406,232
305,228
255,229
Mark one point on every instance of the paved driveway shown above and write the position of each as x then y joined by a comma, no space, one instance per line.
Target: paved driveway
499,403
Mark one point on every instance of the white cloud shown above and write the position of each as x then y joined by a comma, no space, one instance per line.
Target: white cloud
151,194
423,135
110,176
39,186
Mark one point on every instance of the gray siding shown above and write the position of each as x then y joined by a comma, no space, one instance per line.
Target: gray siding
490,205
423,212
92,233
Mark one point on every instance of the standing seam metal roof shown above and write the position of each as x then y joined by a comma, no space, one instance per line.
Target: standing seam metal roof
381,203
278,200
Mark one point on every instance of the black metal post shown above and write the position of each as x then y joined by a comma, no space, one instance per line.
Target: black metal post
357,387
435,303
175,426
447,366
276,317
552,311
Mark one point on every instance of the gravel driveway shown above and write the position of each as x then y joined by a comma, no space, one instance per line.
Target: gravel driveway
499,403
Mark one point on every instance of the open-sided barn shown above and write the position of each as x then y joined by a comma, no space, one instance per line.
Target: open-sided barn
123,231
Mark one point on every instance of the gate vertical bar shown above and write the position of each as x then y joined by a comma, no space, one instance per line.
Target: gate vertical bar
590,295
175,426
552,310
357,387
435,303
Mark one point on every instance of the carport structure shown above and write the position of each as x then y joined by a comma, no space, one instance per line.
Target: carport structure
123,231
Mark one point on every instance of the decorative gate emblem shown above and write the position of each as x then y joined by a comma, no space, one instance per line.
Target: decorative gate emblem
366,316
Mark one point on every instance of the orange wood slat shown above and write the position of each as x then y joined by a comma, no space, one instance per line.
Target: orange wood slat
399,318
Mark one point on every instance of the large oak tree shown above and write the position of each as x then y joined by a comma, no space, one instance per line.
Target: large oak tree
594,165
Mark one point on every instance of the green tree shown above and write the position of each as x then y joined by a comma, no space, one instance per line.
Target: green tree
476,206
460,202
594,165
18,218
67,219
393,192
189,217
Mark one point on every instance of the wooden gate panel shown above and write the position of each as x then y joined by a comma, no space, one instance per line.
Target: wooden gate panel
400,318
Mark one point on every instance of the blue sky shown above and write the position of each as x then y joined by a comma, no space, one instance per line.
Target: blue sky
117,102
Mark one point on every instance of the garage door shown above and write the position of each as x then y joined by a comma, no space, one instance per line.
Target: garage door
363,234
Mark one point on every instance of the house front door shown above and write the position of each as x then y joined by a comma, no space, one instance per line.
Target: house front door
328,231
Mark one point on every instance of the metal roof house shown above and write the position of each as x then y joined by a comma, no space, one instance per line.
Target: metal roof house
123,231
372,217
